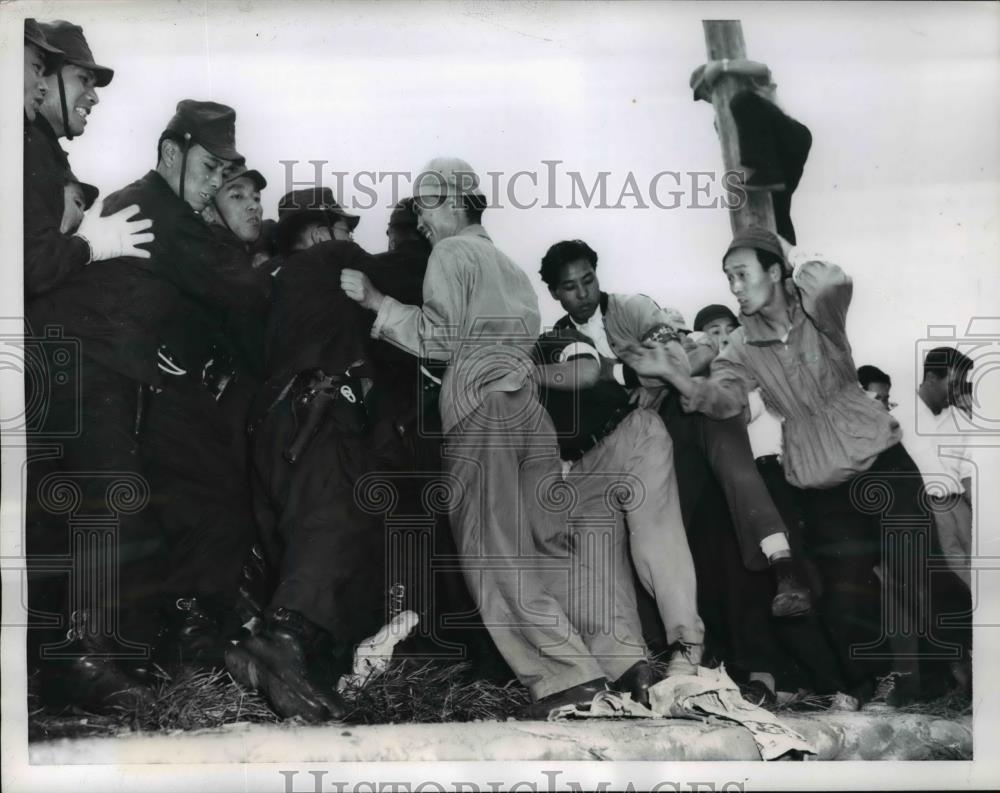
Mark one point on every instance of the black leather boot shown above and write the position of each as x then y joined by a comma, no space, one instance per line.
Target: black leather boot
192,634
291,662
91,678
256,587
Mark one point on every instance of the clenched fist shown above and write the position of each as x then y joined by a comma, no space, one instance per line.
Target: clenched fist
358,287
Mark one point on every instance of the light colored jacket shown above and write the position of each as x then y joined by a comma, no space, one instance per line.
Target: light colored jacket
832,430
480,314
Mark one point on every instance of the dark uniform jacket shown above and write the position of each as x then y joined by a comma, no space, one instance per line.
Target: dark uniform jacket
312,323
198,334
399,384
50,257
118,308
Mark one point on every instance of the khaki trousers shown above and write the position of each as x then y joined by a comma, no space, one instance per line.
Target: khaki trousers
502,469
631,471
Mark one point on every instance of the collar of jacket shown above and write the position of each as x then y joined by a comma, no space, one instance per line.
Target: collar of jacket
228,237
474,230
156,182
567,321
44,128
760,332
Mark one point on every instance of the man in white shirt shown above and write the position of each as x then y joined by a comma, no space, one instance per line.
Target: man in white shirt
932,438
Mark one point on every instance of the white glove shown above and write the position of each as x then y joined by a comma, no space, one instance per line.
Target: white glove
115,235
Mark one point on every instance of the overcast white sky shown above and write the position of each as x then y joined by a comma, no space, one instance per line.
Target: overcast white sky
902,186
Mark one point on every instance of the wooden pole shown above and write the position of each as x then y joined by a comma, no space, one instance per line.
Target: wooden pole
724,39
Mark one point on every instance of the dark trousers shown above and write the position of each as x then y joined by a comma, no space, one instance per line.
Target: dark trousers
806,639
774,144
326,542
201,490
879,518
93,541
704,448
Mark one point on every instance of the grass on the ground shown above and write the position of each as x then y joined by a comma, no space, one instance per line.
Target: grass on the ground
410,691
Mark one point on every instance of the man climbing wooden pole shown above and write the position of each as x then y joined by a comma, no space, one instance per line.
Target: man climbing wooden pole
724,41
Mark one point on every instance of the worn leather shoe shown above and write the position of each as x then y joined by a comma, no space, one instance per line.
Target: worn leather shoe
290,662
580,696
637,681
793,598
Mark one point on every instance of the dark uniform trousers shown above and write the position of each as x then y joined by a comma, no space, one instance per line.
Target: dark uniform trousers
117,309
93,541
328,551
201,491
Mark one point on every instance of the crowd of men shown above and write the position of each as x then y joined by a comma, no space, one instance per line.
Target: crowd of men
256,404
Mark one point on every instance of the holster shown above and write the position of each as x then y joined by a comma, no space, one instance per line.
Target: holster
317,397
218,372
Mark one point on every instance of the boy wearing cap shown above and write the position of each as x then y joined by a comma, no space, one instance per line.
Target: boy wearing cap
50,256
78,197
480,313
838,444
117,312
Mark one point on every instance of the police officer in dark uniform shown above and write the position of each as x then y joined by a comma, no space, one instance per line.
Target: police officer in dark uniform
50,257
193,438
312,443
118,311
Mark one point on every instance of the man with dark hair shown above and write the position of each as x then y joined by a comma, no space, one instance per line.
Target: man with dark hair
876,384
481,314
929,421
793,345
118,311
701,447
607,441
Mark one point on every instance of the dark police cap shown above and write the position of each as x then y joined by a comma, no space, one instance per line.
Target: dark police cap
33,34
209,124
241,172
69,38
299,207
313,201
712,313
